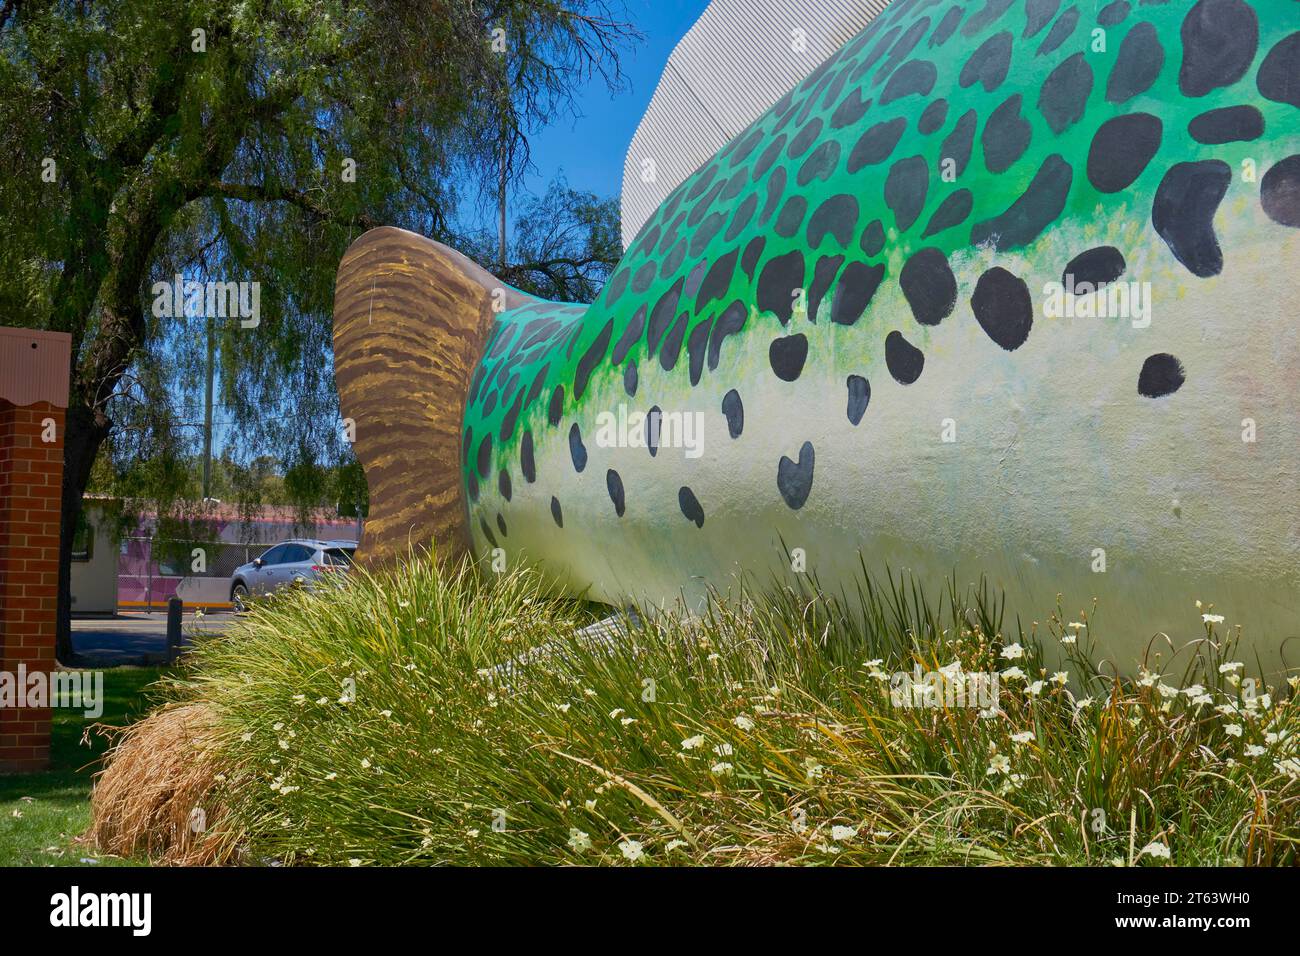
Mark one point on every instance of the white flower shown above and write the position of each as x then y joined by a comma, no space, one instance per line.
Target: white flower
813,769
579,840
675,845
1212,618
1012,673
1290,766
563,708
354,862
999,764
1156,849
839,833
722,768
1013,652
743,722
723,750
1230,667
1076,625
1276,738
1060,677
631,850
1083,702
278,725
1070,639
365,763
245,737
1147,679
616,713
590,804
873,663
627,720
1023,737
1232,730
691,743
1166,690
1036,688
1255,750
1196,690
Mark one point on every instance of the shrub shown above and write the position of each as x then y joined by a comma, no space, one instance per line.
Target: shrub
421,716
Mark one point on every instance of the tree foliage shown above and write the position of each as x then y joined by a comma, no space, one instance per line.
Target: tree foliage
253,141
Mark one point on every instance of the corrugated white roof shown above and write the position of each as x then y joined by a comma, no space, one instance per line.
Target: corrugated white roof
738,59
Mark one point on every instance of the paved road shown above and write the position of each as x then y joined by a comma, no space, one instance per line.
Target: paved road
134,637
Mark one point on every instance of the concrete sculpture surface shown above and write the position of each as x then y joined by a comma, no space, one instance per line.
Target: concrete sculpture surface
1000,288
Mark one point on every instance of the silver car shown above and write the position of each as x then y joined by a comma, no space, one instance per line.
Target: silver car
300,561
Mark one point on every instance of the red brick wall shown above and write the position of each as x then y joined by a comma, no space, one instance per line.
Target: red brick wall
31,480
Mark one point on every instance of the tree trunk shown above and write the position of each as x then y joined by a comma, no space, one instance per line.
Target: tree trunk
83,433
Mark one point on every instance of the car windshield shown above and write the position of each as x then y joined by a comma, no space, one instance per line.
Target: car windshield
339,556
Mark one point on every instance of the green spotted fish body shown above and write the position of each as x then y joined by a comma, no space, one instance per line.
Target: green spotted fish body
868,326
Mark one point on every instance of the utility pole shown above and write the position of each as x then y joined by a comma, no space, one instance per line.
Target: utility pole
207,416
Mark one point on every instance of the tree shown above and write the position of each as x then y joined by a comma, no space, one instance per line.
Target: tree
250,142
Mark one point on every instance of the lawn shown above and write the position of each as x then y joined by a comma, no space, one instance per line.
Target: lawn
41,814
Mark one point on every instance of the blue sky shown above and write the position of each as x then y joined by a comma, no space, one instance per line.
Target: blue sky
590,148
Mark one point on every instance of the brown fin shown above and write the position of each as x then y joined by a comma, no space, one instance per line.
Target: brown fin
411,317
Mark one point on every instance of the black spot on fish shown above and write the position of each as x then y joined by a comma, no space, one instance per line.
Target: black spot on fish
1039,205
734,409
631,335
1122,149
1038,14
913,78
731,321
932,117
1140,60
661,316
690,506
487,532
717,280
823,275
850,111
696,344
1003,307
787,355
989,64
837,217
615,485
1064,94
873,238
957,146
484,460
791,218
876,144
953,211
859,397
503,484
905,190
740,220
1231,124
1161,374
1061,31
820,164
1279,192
555,411
1279,74
903,359
1183,213
556,513
1096,267
527,463
672,346
929,286
777,283
1006,136
1220,38
501,524
1114,13
794,479
630,378
749,258
857,286
577,450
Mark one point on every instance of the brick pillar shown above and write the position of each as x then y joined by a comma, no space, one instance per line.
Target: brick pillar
31,483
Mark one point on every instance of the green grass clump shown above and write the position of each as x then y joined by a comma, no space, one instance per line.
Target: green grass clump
42,814
374,724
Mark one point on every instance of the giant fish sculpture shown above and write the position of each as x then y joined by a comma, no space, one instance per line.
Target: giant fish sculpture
980,295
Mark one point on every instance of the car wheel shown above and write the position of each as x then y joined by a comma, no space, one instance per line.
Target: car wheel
239,597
